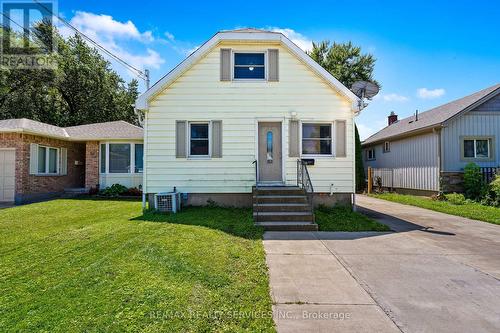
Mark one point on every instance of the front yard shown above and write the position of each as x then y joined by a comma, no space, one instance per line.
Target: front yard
470,210
99,266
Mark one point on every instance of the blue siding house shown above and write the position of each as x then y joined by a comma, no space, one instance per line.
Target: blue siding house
427,152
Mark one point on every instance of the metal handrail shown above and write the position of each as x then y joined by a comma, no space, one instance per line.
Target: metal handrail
304,181
256,193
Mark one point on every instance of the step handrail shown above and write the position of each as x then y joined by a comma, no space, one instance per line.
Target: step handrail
256,217
304,182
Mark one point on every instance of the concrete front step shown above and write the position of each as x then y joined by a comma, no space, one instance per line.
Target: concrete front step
269,199
285,190
282,207
283,216
288,226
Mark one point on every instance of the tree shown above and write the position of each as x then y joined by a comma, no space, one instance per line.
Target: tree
347,64
344,61
82,89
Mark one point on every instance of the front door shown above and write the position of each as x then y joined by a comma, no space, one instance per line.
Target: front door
269,161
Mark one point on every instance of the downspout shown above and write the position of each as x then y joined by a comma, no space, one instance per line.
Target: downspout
438,132
144,157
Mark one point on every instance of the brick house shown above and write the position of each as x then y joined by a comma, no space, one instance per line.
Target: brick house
39,161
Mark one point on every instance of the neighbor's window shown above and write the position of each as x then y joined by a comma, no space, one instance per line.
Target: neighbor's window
387,147
122,157
249,66
103,158
317,139
48,159
477,148
370,154
119,158
198,139
138,157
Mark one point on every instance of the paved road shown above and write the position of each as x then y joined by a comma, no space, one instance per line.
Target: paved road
436,273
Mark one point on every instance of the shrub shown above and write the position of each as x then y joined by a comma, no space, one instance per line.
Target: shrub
456,198
114,190
492,198
133,192
473,182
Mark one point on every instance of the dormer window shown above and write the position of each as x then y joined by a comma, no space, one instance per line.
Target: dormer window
249,66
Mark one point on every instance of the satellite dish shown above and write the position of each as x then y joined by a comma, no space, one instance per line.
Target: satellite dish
364,89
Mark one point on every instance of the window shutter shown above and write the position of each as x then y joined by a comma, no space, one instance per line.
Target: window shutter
293,138
340,138
33,159
225,64
273,65
180,138
63,168
217,138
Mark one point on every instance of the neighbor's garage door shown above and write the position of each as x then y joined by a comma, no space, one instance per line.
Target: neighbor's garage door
7,174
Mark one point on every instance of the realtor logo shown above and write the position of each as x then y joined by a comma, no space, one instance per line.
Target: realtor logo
24,45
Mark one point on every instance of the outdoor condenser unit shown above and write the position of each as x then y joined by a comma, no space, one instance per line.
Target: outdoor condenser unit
168,202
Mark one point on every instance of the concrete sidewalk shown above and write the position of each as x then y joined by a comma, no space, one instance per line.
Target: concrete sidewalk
313,292
436,273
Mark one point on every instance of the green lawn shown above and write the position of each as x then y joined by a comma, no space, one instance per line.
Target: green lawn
470,210
100,266
344,219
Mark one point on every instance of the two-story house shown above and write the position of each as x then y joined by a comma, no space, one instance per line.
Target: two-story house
241,111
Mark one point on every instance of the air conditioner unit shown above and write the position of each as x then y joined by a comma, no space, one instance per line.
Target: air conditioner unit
168,202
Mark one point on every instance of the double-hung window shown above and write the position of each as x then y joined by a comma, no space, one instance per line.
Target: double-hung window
477,148
199,143
370,154
121,157
317,139
48,160
249,66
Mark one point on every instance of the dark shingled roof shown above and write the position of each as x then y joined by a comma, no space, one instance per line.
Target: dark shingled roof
432,117
108,130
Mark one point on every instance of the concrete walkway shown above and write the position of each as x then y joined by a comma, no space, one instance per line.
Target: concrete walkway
437,273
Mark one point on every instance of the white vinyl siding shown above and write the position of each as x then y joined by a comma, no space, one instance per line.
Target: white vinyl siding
200,95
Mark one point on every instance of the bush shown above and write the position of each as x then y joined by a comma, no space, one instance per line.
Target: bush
473,182
456,198
133,192
492,198
114,190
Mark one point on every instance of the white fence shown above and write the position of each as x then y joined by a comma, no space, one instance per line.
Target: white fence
421,178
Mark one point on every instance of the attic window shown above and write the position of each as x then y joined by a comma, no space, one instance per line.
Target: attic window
249,66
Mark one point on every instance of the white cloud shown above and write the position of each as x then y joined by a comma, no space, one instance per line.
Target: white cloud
114,36
430,93
169,36
394,98
106,25
300,40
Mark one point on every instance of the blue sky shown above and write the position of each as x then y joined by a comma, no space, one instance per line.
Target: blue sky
428,52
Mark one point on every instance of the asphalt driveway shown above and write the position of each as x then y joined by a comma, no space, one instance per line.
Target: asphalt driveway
436,273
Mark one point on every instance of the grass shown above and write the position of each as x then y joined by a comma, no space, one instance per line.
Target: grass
470,210
100,265
344,219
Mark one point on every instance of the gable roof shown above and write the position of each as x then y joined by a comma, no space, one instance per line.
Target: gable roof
246,34
434,117
99,131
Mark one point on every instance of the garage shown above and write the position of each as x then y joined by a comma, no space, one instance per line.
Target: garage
7,174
